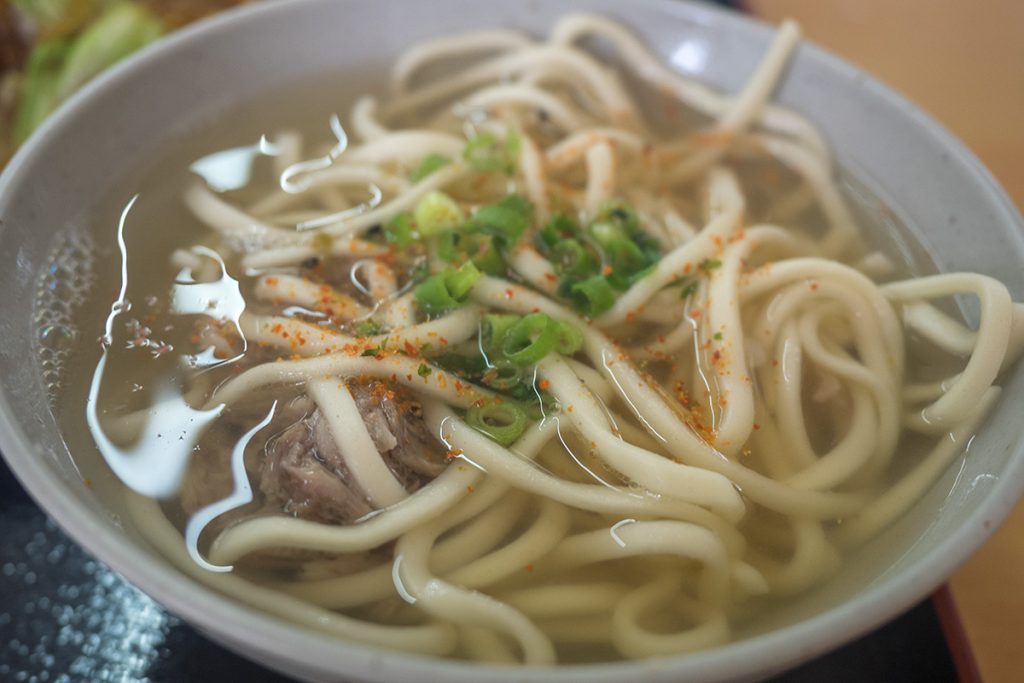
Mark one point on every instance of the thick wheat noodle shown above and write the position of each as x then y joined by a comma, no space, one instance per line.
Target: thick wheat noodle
486,522
737,417
289,289
871,371
993,338
364,120
532,166
653,471
420,56
496,96
308,339
600,177
534,268
635,641
608,500
336,176
600,82
702,98
743,109
431,638
402,369
295,255
871,519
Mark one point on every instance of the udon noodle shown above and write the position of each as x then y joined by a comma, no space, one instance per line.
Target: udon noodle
513,369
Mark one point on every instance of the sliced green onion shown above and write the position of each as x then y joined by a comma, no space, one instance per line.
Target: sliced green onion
449,245
593,296
559,228
504,376
573,259
626,260
495,329
400,231
461,365
488,258
506,219
621,214
605,232
569,338
502,422
648,245
437,212
433,296
368,328
430,163
530,339
536,408
486,153
462,280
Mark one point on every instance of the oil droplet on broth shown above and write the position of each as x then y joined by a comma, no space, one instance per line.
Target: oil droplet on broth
65,283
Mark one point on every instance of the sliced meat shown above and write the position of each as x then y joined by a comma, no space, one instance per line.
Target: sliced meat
296,466
393,419
306,475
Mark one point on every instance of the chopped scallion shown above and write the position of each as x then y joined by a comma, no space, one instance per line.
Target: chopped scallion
430,163
502,422
437,212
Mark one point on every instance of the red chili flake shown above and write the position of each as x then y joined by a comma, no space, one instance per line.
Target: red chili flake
529,567
757,426
509,293
453,453
544,384
716,356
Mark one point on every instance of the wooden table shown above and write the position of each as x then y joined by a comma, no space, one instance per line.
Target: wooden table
963,62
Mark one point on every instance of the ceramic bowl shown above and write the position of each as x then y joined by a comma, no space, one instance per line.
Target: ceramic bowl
99,142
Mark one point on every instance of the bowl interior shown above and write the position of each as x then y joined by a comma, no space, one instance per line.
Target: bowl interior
85,163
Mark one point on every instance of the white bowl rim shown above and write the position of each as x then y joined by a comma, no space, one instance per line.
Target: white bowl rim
281,641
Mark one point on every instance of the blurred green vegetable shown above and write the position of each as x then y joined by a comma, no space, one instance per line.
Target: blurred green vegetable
39,89
57,67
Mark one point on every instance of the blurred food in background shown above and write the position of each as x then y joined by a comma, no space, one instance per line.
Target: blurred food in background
50,48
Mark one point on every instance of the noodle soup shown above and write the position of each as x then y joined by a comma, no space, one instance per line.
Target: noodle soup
508,370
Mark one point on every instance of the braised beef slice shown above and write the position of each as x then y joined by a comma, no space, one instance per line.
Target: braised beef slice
306,475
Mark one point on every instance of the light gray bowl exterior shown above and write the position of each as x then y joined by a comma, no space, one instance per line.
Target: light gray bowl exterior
112,129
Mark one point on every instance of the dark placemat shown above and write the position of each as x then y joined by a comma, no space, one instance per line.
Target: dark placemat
65,617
